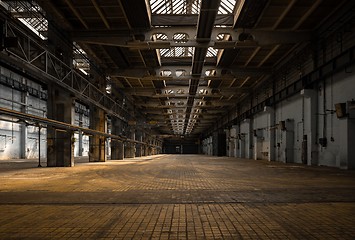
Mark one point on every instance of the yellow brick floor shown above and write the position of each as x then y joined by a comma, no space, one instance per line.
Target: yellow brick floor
176,197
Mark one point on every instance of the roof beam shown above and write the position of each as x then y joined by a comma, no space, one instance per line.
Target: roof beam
273,50
76,13
219,72
307,14
238,9
284,13
187,20
125,38
136,13
252,56
248,13
207,16
222,93
50,8
98,9
206,19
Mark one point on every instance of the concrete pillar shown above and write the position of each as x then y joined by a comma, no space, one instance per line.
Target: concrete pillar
258,137
138,150
117,147
246,139
156,148
241,139
130,146
60,105
144,150
250,140
153,149
97,149
234,140
271,144
204,146
23,127
128,150
227,132
205,150
60,142
80,144
230,143
133,145
257,145
80,136
139,147
210,146
148,148
144,147
287,142
310,124
347,151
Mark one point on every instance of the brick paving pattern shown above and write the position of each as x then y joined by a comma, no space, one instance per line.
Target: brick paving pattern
176,197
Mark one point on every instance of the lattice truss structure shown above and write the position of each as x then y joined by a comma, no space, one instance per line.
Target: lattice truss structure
33,17
30,14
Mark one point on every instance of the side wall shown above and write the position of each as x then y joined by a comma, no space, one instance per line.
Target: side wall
293,116
18,139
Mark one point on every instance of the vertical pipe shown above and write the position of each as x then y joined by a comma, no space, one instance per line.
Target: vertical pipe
324,111
12,108
303,104
80,134
324,97
39,146
331,106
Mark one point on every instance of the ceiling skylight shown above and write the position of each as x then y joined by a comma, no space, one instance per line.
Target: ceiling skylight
175,6
80,59
177,52
30,14
226,7
187,6
211,52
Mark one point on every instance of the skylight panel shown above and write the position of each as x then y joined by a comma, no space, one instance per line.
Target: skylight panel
157,6
176,52
211,52
80,60
31,15
160,36
187,7
226,7
180,37
175,6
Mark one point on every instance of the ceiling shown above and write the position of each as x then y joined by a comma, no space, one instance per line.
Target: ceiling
184,64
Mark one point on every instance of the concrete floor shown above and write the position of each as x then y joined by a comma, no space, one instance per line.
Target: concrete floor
176,197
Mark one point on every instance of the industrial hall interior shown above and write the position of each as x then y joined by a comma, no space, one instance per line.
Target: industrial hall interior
177,119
